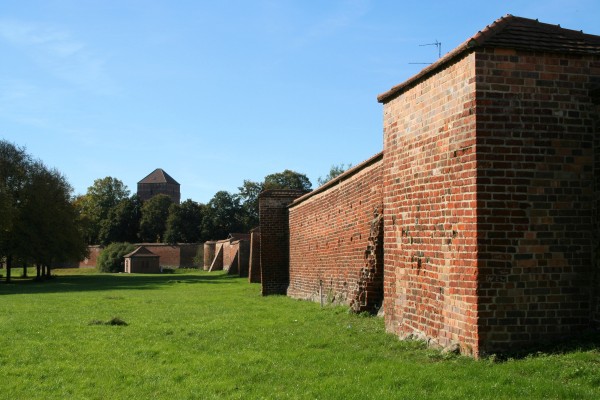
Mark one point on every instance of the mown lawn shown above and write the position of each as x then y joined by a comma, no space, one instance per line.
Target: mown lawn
194,335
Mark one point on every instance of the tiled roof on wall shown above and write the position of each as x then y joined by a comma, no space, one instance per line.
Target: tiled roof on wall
159,176
513,33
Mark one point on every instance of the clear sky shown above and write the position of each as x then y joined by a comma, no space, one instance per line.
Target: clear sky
215,92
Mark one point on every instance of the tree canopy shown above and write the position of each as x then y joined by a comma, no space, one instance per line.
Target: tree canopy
334,172
287,180
39,223
153,222
184,223
94,207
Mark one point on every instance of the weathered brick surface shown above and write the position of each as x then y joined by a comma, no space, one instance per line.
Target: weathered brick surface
329,231
535,155
489,201
274,243
430,208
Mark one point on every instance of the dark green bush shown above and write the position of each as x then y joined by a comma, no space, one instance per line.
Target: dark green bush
111,258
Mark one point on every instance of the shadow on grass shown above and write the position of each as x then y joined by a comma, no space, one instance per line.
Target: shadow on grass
98,282
585,341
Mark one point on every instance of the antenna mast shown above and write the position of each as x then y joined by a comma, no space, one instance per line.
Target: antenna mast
436,44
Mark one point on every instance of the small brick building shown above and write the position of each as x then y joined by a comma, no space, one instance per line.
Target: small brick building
489,183
159,182
142,261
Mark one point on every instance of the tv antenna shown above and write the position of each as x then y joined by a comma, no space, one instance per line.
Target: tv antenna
436,44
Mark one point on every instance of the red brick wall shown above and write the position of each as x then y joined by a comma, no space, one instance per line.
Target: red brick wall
489,201
535,151
274,243
92,258
329,231
169,255
429,181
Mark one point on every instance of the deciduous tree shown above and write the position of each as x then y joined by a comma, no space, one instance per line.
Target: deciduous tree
184,222
95,205
154,218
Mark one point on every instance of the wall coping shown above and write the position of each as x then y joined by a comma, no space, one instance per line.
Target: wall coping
339,179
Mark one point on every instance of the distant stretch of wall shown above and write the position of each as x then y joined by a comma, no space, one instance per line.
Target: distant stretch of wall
178,256
330,230
231,254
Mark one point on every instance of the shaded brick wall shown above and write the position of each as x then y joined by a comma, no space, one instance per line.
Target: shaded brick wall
254,273
329,232
430,219
274,243
147,190
209,254
535,152
92,258
243,258
596,263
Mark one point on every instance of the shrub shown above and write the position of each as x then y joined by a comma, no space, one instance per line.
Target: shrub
111,258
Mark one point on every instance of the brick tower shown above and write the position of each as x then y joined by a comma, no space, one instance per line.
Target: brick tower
158,182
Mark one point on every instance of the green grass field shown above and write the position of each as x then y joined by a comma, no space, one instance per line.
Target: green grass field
194,335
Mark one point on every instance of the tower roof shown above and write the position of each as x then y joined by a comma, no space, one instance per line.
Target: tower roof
513,33
159,176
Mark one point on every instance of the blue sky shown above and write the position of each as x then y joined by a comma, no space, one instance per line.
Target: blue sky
215,92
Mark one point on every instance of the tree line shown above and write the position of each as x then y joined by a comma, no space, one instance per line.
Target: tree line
39,223
42,223
109,214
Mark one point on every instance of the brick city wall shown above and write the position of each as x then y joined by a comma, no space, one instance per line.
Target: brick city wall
430,209
254,264
329,238
274,243
535,154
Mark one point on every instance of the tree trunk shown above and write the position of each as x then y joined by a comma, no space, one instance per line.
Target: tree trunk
38,271
8,266
24,269
48,274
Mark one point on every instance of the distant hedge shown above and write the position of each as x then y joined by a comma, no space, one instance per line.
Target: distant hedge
111,258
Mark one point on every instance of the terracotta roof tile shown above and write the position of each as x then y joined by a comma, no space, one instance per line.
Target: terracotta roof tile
141,252
159,176
514,33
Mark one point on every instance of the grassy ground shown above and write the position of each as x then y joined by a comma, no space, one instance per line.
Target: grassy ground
193,335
